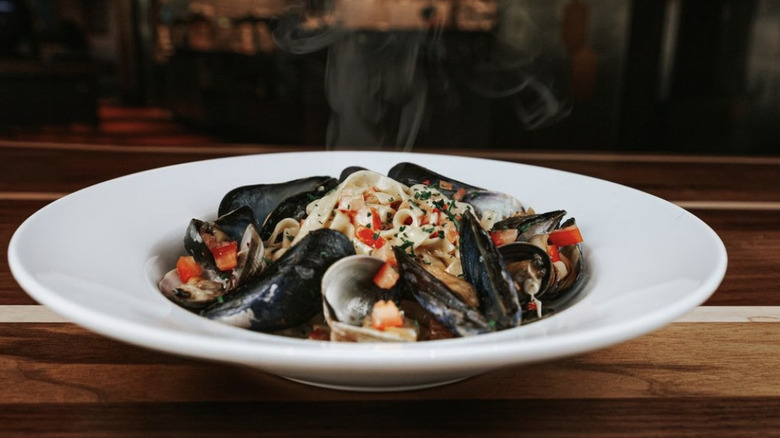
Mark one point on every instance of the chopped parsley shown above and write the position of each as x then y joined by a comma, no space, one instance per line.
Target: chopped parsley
406,244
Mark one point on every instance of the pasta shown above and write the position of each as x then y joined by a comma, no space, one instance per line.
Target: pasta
419,218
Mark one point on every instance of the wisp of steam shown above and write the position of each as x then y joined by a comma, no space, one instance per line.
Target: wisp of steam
380,83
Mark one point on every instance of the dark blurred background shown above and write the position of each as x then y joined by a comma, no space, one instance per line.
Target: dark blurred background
685,76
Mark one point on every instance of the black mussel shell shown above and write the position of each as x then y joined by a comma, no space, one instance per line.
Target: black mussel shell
484,268
349,171
410,174
295,206
531,225
287,293
263,198
482,200
233,223
438,300
516,256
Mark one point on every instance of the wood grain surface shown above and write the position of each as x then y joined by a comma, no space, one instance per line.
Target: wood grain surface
713,372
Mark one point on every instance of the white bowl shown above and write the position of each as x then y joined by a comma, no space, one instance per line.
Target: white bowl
95,257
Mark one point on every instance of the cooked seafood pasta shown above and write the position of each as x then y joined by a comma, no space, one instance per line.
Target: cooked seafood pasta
412,255
378,213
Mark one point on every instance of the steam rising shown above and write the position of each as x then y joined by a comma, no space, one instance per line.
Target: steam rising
380,84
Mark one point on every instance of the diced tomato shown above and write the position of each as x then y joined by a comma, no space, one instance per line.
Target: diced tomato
459,194
385,314
376,220
502,237
386,277
554,254
225,255
426,182
370,237
319,333
446,185
408,220
188,268
566,236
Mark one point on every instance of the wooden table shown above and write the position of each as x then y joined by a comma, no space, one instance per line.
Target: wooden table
715,371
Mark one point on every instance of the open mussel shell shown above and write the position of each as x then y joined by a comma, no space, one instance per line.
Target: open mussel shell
233,224
438,300
484,267
501,204
530,268
287,293
348,296
576,267
532,224
237,225
264,198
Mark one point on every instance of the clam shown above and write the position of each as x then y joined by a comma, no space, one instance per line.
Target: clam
287,293
348,297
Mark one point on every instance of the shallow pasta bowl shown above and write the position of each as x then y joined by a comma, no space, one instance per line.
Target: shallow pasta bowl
96,255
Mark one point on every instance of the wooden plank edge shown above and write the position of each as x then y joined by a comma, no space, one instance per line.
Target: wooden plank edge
701,314
243,149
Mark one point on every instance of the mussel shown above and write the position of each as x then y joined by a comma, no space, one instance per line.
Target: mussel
295,206
199,240
437,299
484,267
287,293
530,225
545,285
264,198
484,201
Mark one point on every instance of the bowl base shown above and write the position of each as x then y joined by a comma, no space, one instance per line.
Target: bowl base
377,388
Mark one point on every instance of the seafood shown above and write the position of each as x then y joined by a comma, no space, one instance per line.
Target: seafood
501,205
411,256
435,297
200,241
349,295
484,267
287,293
264,198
